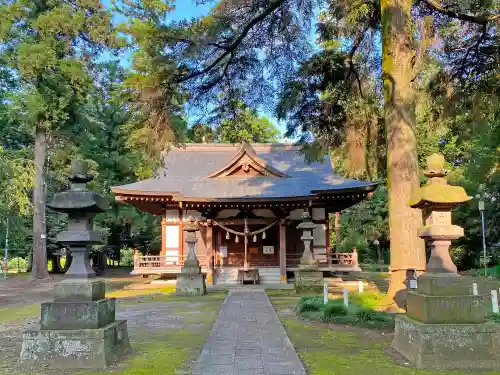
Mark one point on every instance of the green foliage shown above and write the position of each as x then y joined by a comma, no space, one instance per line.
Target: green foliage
334,309
244,125
360,312
309,304
127,256
362,225
19,264
367,300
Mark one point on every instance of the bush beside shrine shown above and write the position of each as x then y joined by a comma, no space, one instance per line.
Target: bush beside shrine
360,312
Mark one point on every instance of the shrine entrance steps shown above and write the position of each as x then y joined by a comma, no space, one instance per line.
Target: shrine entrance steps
248,338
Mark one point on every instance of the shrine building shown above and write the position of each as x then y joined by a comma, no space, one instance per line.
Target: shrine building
247,200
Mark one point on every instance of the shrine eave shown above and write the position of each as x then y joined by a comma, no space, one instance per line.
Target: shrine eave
154,202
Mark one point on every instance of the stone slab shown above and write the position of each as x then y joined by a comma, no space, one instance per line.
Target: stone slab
445,309
248,338
448,346
78,315
79,290
76,349
190,284
444,285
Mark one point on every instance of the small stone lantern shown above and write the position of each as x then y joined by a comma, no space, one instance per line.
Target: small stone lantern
308,277
444,328
307,262
78,329
191,282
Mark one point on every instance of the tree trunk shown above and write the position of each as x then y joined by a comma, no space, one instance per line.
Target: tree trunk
407,249
39,270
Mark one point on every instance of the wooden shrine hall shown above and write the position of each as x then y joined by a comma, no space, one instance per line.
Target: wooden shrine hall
247,200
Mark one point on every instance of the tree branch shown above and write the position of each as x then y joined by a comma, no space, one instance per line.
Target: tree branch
481,20
257,18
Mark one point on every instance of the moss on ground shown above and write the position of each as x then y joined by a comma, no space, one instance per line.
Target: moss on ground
133,293
19,313
334,351
172,350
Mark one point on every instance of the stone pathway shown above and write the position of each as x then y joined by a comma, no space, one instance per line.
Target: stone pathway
248,339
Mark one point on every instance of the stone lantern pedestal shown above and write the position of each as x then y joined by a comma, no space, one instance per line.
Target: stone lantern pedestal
191,281
445,326
308,277
78,330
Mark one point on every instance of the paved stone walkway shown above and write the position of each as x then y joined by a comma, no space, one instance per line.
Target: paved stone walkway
248,339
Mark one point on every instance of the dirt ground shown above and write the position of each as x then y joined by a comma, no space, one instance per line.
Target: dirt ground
21,289
164,330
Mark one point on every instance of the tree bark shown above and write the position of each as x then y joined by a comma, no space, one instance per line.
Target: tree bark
407,249
39,269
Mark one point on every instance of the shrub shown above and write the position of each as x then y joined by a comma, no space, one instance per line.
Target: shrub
312,299
127,256
310,304
17,263
334,309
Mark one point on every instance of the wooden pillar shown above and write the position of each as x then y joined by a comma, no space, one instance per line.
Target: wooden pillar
327,239
337,232
283,251
163,251
181,239
210,250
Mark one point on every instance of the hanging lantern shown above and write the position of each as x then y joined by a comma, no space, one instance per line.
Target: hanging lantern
237,239
254,238
264,235
228,236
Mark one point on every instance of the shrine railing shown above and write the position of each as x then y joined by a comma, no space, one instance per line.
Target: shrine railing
340,260
154,263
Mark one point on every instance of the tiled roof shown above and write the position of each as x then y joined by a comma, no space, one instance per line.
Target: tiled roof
186,169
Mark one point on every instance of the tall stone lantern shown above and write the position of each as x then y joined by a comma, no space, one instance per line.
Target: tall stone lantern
78,329
308,277
191,281
445,326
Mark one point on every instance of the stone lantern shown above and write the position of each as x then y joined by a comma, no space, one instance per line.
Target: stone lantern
308,277
444,328
78,329
191,281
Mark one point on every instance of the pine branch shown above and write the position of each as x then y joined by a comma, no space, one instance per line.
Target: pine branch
256,19
481,20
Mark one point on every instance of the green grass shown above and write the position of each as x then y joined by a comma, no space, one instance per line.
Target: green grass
17,314
347,351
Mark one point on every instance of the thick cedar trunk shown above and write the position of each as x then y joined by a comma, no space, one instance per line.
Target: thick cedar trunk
407,249
39,270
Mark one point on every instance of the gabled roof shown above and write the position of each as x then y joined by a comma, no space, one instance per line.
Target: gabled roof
231,172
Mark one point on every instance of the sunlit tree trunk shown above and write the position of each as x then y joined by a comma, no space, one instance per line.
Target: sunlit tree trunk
407,250
39,268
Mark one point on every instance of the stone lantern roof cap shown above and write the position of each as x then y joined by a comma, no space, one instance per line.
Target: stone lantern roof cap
192,226
78,198
306,222
78,201
437,193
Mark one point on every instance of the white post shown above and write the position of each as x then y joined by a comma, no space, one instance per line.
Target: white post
474,289
360,286
494,301
346,297
325,292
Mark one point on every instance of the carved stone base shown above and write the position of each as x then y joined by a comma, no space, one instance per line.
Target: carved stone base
75,349
191,284
448,346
